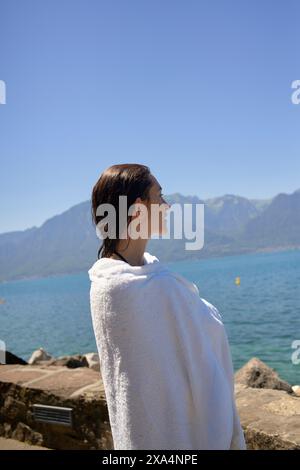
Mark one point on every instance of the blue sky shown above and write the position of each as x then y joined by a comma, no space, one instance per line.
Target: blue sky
198,90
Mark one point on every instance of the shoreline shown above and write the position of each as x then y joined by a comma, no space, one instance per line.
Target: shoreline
269,250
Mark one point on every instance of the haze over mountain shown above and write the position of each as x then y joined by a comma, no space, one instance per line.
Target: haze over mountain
67,243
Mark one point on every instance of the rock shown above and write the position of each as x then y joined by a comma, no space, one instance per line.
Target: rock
38,356
257,374
70,361
41,357
93,361
13,409
296,390
12,359
7,430
25,434
270,418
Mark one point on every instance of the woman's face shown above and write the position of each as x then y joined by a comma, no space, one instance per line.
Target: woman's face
157,226
149,217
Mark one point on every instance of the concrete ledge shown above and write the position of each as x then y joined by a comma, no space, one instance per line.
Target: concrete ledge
13,444
58,380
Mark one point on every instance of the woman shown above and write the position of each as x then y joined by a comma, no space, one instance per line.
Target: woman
164,355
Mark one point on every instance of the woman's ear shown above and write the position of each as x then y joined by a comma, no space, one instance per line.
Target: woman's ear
137,210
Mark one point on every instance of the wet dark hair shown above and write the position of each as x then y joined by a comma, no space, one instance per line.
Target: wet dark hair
128,179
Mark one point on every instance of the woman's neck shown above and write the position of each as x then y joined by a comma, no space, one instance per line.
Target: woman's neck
133,253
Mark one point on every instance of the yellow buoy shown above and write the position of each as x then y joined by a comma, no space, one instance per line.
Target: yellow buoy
238,280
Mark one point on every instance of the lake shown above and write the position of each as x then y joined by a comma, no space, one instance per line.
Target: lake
261,315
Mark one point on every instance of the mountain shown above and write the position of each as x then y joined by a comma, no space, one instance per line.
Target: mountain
64,243
67,243
260,204
229,213
277,225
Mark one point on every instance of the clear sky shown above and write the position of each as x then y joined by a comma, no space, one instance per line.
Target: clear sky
198,90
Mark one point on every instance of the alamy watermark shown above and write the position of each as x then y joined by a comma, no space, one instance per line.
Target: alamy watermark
2,92
295,97
188,222
2,352
295,357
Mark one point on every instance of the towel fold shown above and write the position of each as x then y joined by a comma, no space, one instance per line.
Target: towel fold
165,360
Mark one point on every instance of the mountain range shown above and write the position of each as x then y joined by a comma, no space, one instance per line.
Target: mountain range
67,243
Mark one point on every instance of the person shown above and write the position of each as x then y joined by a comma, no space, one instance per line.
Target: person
164,355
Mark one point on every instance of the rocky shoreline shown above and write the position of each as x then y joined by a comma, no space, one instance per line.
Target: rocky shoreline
268,406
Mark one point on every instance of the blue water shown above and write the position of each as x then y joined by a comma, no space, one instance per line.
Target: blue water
261,315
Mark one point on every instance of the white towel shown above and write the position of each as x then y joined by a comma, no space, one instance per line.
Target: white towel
165,360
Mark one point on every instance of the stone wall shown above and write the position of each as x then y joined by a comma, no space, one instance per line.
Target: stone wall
90,429
268,407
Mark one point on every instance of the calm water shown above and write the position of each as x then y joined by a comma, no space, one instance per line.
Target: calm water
261,315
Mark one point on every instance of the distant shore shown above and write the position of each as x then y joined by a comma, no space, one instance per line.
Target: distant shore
208,257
